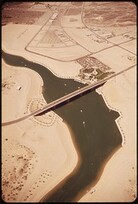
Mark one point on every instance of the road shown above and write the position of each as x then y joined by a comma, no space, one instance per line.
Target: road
65,98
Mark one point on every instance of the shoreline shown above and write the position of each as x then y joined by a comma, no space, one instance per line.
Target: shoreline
67,151
127,192
114,109
70,174
115,163
97,180
74,172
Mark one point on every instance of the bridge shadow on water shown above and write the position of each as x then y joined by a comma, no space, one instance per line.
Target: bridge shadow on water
92,126
68,101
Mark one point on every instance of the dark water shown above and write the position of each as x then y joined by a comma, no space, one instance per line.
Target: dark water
93,129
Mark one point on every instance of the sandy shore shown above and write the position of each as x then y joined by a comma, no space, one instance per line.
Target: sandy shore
118,181
37,153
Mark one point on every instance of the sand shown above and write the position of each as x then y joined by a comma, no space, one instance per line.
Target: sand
48,151
118,181
36,154
16,45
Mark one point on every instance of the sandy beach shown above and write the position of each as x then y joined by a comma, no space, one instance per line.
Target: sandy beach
42,147
47,155
118,181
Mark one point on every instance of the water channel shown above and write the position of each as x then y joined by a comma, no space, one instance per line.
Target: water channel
92,126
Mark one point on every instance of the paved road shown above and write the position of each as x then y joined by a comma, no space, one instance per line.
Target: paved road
65,98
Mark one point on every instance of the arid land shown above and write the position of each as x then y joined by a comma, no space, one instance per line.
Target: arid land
74,40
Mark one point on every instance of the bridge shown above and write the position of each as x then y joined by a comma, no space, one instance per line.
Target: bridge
65,98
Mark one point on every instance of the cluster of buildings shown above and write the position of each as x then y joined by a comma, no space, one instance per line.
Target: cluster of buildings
92,69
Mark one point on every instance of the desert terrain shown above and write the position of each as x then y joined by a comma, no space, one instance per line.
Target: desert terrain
74,40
